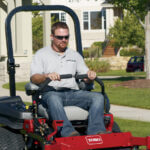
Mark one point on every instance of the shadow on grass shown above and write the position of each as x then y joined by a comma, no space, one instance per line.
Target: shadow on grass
121,79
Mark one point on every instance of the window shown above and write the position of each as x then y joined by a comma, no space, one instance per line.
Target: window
85,20
95,20
58,17
63,17
92,20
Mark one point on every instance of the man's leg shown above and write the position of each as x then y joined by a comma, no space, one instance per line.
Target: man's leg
94,103
54,102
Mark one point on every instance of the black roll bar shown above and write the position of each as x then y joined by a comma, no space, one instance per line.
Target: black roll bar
11,62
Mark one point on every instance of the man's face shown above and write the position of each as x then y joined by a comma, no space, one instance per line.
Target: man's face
60,39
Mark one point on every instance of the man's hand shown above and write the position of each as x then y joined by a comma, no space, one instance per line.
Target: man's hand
53,76
91,75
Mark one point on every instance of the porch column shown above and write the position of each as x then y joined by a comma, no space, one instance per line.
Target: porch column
46,25
3,13
19,30
10,6
147,43
109,19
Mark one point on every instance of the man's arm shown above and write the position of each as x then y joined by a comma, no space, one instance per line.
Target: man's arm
39,78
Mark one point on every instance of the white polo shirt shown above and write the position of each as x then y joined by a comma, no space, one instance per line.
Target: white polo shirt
46,60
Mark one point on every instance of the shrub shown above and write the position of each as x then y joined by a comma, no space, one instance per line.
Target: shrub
131,52
86,54
98,66
97,44
95,51
92,52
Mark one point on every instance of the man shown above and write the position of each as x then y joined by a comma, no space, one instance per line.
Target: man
51,62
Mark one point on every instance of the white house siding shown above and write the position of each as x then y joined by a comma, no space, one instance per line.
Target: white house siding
109,19
80,6
21,37
2,33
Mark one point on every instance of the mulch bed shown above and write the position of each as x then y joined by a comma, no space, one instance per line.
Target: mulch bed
139,83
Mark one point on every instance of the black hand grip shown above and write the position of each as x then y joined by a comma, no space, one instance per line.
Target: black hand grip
65,76
48,80
81,76
44,84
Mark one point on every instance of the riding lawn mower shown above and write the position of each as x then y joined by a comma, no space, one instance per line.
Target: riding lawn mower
31,128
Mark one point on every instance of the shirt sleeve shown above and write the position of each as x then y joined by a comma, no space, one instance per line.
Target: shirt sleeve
36,65
81,66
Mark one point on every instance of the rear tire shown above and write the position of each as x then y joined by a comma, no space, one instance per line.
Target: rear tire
10,140
116,128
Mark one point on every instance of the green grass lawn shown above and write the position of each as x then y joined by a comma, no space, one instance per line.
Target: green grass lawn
19,86
121,73
134,97
137,128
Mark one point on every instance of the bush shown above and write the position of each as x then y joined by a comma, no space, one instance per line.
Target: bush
86,54
92,52
98,44
98,66
95,51
131,52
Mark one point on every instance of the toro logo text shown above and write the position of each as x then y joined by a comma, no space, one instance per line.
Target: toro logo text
95,139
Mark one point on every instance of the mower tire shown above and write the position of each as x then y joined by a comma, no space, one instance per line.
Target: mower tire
10,140
116,128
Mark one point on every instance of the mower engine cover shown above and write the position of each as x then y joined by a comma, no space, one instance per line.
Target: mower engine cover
13,112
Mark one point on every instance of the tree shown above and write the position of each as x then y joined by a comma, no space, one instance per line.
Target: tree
37,32
127,32
141,9
37,29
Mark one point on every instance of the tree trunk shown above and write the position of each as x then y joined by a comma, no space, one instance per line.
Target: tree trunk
147,44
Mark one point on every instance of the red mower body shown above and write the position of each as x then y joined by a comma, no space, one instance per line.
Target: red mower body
100,141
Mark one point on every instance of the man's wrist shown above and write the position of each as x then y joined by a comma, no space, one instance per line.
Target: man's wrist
46,75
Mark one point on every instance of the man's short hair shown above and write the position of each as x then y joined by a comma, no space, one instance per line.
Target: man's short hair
58,25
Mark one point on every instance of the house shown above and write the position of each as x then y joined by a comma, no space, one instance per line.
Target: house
21,36
95,16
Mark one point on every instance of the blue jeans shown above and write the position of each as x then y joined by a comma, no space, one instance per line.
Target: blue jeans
91,101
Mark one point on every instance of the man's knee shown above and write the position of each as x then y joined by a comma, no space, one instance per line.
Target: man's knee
53,100
98,99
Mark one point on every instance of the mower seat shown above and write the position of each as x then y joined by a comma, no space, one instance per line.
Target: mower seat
73,112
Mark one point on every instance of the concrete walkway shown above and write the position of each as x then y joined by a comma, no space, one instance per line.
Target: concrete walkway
117,111
22,94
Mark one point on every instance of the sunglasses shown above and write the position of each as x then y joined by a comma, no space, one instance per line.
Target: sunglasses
61,37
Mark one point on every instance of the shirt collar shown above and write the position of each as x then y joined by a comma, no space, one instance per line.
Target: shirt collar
58,54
